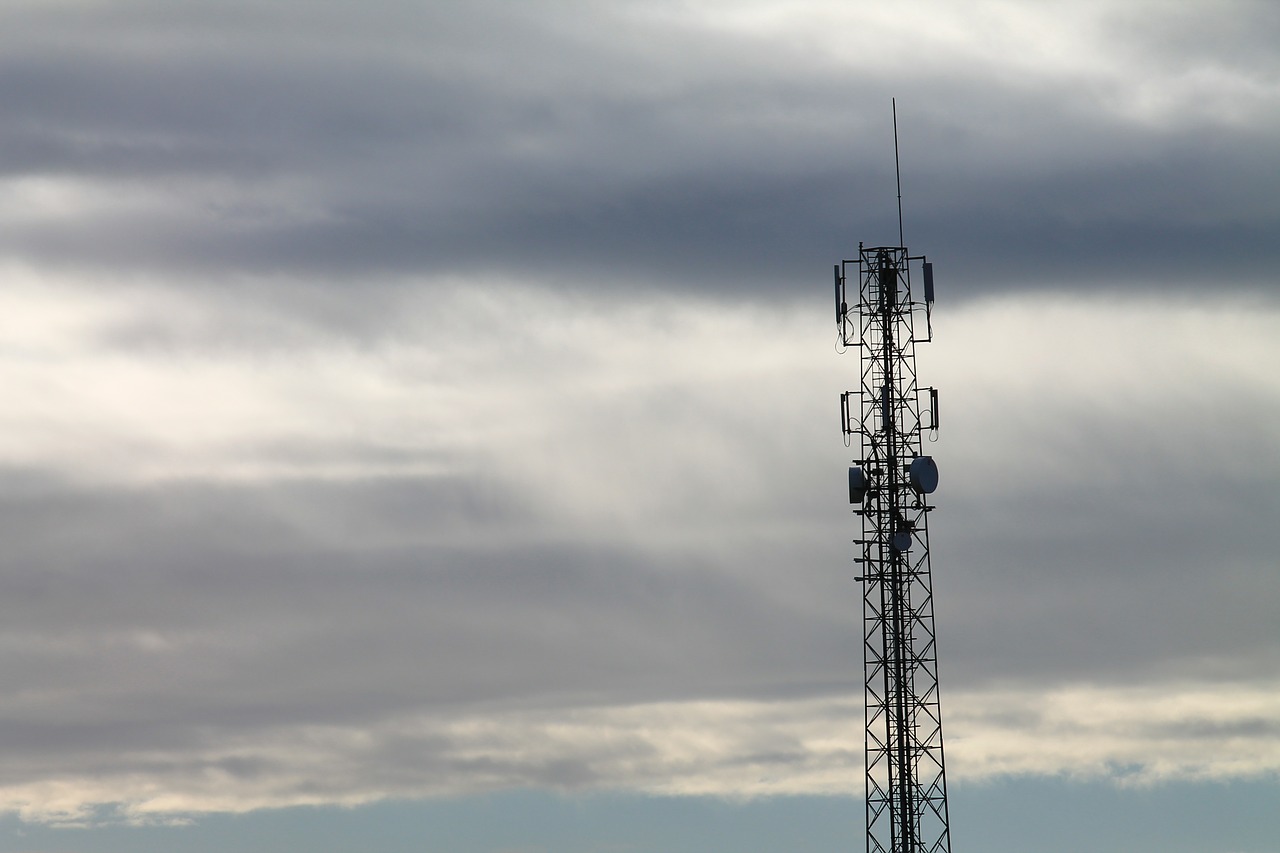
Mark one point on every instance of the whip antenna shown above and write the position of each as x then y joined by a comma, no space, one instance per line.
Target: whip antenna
897,169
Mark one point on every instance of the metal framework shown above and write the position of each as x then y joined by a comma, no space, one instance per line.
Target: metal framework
889,484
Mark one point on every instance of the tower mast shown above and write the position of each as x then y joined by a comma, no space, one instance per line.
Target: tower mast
889,485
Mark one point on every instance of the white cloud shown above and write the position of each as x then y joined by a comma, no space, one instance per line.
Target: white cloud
1139,734
734,749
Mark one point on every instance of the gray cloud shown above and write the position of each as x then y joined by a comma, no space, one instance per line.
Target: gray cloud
657,533
455,139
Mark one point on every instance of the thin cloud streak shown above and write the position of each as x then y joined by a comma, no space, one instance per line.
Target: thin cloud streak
734,749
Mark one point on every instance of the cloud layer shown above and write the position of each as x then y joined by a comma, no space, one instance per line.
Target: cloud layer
601,554
408,399
722,148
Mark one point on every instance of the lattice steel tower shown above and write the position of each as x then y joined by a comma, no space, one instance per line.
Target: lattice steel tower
889,485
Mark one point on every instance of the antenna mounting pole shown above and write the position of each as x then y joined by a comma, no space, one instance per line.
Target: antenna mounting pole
897,169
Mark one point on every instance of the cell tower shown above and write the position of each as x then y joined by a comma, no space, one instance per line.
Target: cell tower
889,485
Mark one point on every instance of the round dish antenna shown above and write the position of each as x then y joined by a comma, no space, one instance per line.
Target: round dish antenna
858,485
923,474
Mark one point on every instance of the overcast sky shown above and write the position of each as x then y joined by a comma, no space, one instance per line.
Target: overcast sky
440,400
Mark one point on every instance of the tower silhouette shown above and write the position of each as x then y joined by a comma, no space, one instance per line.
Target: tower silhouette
889,486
